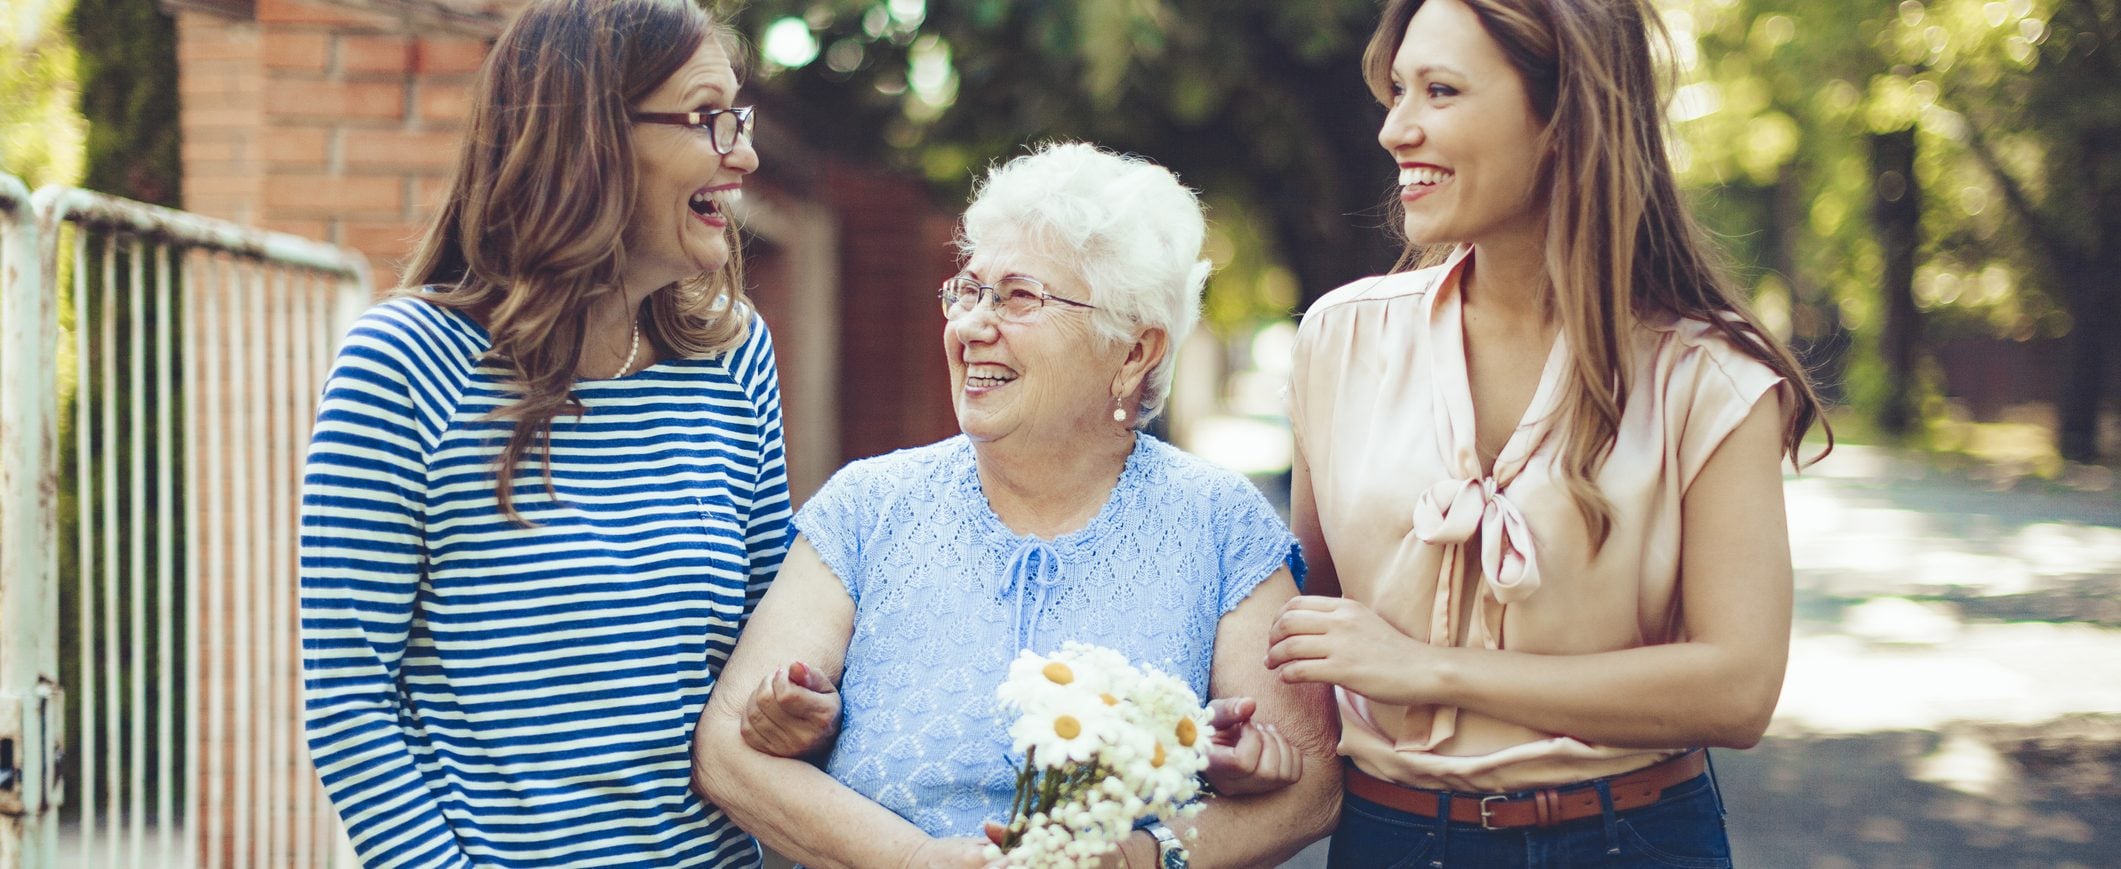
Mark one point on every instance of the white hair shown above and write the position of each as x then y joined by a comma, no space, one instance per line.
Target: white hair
1131,230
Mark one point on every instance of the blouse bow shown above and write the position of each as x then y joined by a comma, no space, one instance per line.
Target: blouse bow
1034,569
1452,510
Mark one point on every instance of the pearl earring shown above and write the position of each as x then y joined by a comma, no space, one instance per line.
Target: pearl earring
1119,415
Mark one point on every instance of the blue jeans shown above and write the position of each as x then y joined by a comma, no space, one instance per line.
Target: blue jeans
1683,829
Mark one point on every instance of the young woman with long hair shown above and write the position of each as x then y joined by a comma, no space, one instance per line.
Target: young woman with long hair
1538,477
546,485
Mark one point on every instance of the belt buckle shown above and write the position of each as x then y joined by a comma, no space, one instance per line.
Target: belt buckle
1486,813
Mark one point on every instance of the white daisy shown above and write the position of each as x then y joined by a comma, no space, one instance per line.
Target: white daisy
1069,728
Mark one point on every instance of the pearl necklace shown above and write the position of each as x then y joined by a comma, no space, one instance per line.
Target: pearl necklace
632,350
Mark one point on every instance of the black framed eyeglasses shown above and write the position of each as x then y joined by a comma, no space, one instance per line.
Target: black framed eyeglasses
1016,298
724,126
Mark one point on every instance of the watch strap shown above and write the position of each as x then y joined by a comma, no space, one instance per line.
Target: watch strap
1170,853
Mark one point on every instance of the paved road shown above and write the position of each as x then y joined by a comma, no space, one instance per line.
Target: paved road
1954,692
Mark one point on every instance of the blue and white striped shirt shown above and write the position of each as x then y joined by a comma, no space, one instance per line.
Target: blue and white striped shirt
483,694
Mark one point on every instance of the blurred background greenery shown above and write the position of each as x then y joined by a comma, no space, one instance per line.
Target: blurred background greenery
1924,196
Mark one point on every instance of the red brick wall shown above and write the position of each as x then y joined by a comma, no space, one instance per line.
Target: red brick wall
221,87
340,124
895,247
327,122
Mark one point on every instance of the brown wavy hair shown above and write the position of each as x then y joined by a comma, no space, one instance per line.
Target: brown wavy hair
1620,242
534,228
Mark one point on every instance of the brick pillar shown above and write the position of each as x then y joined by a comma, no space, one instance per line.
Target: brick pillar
221,87
895,250
324,121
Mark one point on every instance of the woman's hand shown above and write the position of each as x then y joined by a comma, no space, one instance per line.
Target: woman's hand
793,713
1246,757
948,854
1342,642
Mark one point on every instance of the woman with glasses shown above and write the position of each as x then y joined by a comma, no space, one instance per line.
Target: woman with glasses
546,489
1538,476
917,576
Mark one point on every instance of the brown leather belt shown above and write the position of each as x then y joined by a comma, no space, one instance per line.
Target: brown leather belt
1542,808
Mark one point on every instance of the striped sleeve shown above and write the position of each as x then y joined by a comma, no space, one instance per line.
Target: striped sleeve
766,535
361,562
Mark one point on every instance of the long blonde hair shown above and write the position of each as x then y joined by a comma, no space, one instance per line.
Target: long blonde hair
1620,242
533,231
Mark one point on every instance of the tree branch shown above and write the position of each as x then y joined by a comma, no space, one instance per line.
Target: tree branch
2046,235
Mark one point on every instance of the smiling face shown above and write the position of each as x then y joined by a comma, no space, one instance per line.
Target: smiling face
679,227
1049,379
1462,130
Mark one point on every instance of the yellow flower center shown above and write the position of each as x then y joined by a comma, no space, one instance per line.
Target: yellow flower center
1066,727
1058,673
1157,760
1109,699
1187,732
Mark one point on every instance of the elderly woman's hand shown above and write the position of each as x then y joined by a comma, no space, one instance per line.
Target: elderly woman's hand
1245,756
793,713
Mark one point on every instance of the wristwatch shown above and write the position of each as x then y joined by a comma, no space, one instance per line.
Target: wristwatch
1169,853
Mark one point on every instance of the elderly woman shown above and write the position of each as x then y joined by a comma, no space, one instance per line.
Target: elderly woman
917,576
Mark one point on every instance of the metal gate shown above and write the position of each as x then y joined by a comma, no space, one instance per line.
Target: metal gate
158,374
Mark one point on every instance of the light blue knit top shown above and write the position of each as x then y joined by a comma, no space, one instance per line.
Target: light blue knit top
945,595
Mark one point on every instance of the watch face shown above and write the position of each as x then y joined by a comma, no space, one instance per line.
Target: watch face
1175,859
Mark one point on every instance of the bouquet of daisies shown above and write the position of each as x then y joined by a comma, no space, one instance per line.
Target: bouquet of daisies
1105,744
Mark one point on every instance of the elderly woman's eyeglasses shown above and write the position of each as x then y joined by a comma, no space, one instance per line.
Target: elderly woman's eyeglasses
1016,298
724,126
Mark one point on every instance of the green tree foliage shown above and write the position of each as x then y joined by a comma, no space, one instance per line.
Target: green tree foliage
2030,92
2015,109
93,103
1882,172
1787,201
128,65
40,133
1258,103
